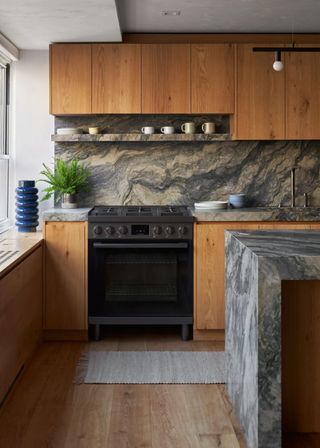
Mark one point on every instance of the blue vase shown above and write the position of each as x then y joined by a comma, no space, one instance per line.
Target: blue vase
27,218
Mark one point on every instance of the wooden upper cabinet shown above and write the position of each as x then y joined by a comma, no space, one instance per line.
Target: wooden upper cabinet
302,71
70,79
260,102
212,78
116,78
166,78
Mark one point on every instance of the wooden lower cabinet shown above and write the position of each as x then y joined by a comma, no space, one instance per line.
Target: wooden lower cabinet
65,307
20,317
209,279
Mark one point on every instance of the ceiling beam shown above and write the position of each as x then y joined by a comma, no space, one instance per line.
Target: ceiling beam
220,38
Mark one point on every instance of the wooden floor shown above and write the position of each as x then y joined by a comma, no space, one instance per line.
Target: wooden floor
45,408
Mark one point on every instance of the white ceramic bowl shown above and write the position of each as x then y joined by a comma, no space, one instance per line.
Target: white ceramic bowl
69,131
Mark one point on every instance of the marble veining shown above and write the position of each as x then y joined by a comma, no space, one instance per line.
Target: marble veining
256,263
139,137
259,214
62,214
162,172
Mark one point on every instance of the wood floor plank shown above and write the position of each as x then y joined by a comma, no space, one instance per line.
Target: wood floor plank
171,427
87,421
130,424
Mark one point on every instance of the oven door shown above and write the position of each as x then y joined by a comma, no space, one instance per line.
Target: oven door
143,278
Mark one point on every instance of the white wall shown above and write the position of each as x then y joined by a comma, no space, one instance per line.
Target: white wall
31,125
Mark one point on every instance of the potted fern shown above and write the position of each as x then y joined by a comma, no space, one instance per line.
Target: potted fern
66,181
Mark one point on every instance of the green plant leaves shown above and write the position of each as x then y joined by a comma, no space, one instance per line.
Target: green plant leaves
67,177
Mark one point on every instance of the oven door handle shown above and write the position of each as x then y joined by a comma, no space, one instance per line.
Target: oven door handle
140,245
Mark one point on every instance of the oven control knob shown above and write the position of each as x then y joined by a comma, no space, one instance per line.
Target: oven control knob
156,230
109,230
97,230
182,230
169,230
123,230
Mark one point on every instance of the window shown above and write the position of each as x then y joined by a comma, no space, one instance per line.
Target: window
4,153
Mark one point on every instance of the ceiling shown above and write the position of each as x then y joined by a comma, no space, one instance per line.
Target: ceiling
34,24
220,16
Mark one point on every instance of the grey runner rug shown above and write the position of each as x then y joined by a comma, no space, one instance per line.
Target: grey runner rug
147,367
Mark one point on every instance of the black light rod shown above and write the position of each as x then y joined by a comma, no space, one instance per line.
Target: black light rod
287,49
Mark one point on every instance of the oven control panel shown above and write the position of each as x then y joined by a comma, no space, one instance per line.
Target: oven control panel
141,231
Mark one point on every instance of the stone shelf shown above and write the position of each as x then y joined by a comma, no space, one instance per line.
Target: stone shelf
140,138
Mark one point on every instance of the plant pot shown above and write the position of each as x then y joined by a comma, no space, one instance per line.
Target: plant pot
69,201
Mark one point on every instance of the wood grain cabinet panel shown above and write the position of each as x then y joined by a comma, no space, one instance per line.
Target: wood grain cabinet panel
66,276
116,78
209,261
20,317
70,70
166,78
212,78
209,275
302,71
260,98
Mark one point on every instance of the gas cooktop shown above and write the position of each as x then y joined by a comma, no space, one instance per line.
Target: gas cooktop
152,213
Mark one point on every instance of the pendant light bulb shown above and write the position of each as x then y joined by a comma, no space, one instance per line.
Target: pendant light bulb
278,64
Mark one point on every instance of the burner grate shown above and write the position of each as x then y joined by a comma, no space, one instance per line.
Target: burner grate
171,211
106,211
138,211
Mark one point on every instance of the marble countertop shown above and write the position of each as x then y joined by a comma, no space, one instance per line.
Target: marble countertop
63,214
259,214
256,264
14,246
280,243
300,214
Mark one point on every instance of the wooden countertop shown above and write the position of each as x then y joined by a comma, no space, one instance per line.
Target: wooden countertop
15,246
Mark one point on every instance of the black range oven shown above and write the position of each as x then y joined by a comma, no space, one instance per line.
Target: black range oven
140,270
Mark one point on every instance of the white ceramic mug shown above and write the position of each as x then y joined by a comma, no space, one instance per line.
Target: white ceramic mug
208,128
147,130
167,130
188,128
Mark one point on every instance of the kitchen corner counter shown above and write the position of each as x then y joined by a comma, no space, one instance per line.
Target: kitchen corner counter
298,214
63,214
15,246
256,264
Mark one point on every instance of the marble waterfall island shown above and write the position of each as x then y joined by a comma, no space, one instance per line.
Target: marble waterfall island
258,264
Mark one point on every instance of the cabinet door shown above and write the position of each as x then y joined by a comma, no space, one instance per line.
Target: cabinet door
20,317
303,95
209,273
66,276
70,81
116,78
260,102
166,78
212,78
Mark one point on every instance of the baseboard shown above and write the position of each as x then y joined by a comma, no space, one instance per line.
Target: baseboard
65,335
208,335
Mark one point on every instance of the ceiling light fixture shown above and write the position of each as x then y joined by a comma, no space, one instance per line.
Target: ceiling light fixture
172,13
278,64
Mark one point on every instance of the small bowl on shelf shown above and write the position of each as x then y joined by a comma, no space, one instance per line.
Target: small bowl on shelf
237,200
69,131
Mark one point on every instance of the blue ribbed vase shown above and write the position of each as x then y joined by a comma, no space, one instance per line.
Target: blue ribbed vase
27,218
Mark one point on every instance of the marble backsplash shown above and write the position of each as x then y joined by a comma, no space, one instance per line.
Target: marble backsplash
184,173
